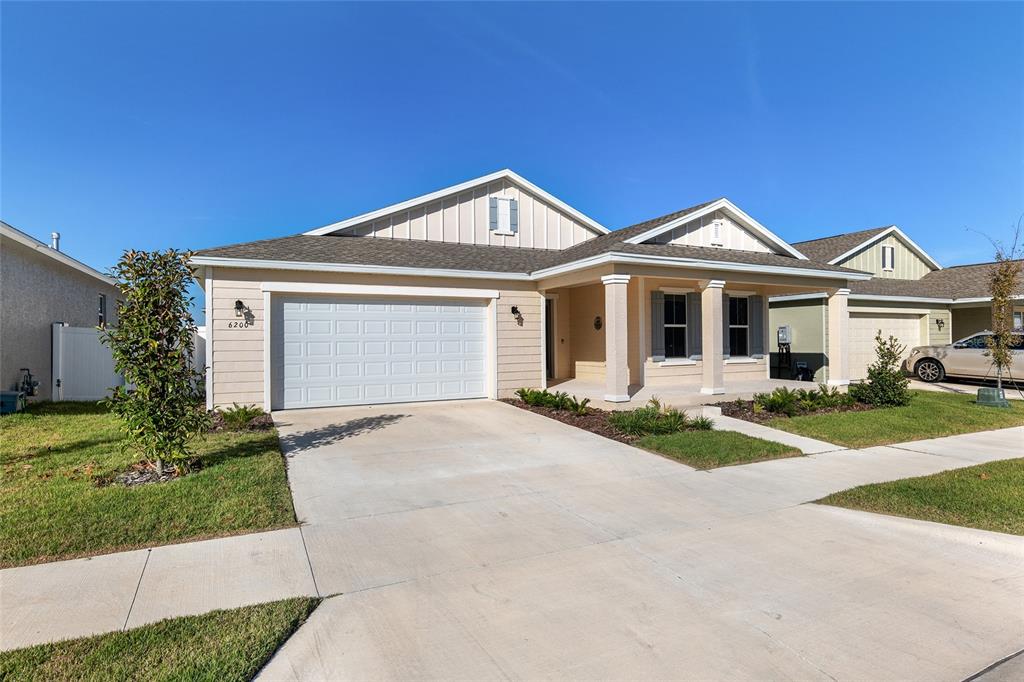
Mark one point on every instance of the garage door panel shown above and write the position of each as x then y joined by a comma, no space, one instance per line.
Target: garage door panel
345,352
863,328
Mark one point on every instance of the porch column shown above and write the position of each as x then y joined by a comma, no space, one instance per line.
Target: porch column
711,326
838,336
616,338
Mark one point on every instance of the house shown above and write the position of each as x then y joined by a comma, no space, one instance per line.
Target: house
493,284
40,285
909,296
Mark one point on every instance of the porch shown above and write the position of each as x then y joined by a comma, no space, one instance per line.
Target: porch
679,395
689,336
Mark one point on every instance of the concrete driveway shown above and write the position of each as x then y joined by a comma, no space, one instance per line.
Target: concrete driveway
477,540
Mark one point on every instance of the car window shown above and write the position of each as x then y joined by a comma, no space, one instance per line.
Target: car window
975,341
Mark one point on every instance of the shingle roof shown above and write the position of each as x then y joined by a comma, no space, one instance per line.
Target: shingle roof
423,254
956,282
827,248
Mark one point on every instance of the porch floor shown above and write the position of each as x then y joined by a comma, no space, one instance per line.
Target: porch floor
681,395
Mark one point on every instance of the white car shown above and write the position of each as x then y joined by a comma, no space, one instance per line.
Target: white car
963,358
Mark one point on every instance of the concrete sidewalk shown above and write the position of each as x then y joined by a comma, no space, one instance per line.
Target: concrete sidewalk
413,493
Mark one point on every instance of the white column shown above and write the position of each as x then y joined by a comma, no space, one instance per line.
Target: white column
712,375
838,338
616,338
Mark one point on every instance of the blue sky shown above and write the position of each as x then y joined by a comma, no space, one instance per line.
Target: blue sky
149,125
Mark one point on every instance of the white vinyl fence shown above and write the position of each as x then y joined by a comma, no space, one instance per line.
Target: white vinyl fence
83,368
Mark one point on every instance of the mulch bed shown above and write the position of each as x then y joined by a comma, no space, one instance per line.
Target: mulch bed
595,420
144,473
260,422
744,409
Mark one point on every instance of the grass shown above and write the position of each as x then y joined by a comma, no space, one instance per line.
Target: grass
220,645
929,415
988,496
52,509
710,449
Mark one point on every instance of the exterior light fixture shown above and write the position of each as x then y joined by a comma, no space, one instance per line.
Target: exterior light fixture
940,323
239,307
515,311
597,323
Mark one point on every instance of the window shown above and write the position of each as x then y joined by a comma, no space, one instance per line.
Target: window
977,341
888,257
738,329
1018,319
504,216
675,326
102,310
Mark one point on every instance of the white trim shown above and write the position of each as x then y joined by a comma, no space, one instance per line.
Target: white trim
837,382
600,259
505,174
714,284
674,362
643,303
376,290
359,269
842,292
711,208
713,391
267,350
892,229
492,348
742,360
544,342
615,279
208,293
616,398
59,256
891,251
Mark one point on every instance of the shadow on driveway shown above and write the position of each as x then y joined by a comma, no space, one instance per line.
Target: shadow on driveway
295,443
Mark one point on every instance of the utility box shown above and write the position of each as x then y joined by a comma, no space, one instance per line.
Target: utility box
785,335
11,401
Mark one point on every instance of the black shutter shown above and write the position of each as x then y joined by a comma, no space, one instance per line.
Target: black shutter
693,333
755,322
725,325
657,326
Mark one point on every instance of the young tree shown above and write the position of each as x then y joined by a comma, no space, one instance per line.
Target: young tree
886,385
153,346
1004,282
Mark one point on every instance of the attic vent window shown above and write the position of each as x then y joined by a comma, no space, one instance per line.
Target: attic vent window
716,232
888,257
504,216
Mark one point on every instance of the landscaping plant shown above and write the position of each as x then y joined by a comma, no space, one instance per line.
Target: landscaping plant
237,417
653,419
1003,285
153,347
791,402
556,401
886,385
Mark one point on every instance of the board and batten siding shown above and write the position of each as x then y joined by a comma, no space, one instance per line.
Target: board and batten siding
907,264
699,233
237,351
465,218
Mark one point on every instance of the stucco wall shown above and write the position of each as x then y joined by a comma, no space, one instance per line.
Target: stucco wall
587,343
237,353
807,320
35,292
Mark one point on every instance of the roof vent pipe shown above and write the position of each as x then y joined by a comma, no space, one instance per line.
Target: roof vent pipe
55,241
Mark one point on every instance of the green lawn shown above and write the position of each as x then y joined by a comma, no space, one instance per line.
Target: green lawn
988,496
710,449
52,508
929,415
220,645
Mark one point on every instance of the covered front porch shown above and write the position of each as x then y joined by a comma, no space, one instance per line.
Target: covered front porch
688,335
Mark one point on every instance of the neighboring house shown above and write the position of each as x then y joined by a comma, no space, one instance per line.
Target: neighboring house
40,285
493,284
910,296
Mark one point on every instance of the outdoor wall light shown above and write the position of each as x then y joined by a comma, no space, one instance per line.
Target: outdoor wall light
239,307
940,323
597,323
515,311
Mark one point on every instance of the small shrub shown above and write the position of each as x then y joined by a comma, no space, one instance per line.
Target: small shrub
886,385
701,423
578,407
559,400
653,419
237,417
792,402
780,401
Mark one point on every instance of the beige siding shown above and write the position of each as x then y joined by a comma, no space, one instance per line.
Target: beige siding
465,219
237,353
699,233
907,265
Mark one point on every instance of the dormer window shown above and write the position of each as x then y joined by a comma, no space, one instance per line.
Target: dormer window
716,232
504,218
888,258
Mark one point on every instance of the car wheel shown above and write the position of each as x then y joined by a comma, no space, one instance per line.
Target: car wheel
930,371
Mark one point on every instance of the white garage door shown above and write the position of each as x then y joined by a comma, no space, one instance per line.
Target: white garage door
864,326
346,351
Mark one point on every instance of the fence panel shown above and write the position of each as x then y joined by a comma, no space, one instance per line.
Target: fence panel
83,368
